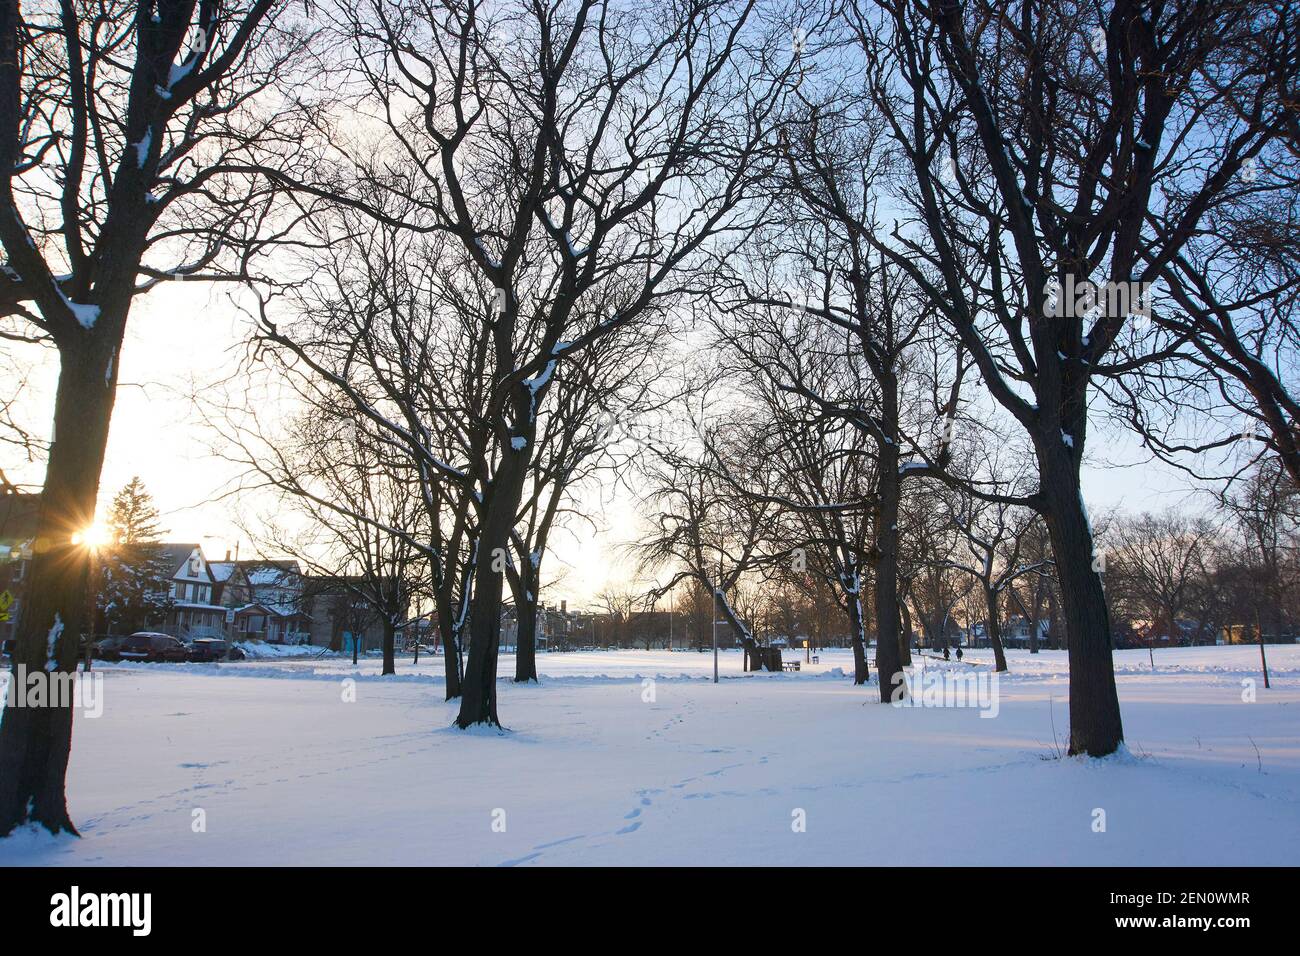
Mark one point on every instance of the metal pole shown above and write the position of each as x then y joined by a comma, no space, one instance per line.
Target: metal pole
1259,629
670,621
714,616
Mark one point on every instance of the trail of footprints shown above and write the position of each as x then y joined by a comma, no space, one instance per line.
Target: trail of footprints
645,800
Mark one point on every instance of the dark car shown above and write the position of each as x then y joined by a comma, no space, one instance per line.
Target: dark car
107,648
205,649
148,646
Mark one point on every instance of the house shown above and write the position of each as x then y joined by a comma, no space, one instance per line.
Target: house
194,612
18,514
1249,634
1179,633
1015,632
264,600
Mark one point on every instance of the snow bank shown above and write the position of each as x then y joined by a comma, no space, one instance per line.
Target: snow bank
260,650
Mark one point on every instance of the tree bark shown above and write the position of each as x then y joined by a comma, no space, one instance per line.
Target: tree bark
1095,725
861,669
994,628
889,668
479,693
390,647
904,635
35,741
526,642
450,635
451,665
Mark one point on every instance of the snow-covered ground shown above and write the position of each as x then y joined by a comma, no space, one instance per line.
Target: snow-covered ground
636,757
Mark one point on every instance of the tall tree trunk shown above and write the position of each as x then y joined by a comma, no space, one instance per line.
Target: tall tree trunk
526,641
1033,624
1095,725
479,692
35,741
449,630
904,635
889,669
861,670
994,628
451,666
390,647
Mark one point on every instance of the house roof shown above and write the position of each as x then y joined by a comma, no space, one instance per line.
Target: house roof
274,609
177,553
256,570
221,570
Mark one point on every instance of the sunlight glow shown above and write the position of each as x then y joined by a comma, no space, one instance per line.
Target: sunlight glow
95,536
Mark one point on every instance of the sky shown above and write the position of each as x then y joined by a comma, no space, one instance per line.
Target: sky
183,338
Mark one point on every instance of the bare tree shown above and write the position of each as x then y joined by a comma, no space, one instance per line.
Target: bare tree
701,530
580,437
131,141
1157,570
814,288
547,147
993,533
1054,144
818,467
1232,290
1265,512
345,510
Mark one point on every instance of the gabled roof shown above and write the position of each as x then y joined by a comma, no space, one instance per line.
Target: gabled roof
177,553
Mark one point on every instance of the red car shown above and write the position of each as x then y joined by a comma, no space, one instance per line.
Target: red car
149,646
205,649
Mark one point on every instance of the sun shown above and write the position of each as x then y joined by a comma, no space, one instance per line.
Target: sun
96,535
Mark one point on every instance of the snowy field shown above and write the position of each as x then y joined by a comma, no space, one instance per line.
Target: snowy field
636,757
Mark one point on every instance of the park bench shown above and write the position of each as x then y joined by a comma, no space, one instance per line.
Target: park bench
790,665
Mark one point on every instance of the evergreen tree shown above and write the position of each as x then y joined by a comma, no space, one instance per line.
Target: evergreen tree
134,572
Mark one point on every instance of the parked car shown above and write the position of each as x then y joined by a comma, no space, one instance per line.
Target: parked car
149,646
204,649
107,648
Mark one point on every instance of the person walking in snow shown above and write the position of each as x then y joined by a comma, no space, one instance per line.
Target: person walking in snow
945,653
959,653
